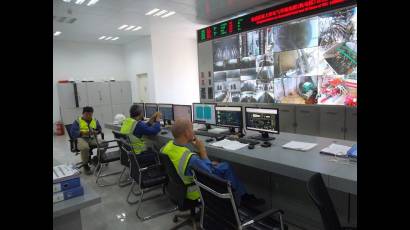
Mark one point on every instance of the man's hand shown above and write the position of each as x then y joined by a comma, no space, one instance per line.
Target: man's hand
84,133
201,148
155,117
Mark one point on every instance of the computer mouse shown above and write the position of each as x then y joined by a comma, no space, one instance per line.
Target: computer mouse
266,144
251,146
209,140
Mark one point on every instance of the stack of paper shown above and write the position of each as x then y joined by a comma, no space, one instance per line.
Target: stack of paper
297,145
335,149
229,145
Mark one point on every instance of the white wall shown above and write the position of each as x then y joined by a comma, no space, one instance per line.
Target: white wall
85,60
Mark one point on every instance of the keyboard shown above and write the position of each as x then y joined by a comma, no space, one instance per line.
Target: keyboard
248,141
208,134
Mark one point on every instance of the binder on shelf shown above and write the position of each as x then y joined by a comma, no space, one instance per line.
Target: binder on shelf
65,185
68,194
64,172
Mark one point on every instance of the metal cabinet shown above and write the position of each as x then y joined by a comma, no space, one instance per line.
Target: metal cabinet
121,109
287,119
205,70
120,92
103,114
351,123
98,93
66,95
68,115
307,120
332,120
81,91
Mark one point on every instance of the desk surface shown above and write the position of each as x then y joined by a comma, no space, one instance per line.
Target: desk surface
339,175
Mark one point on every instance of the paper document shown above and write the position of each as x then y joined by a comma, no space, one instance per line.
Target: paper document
335,149
64,172
297,145
229,145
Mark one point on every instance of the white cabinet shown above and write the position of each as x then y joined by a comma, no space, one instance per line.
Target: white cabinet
66,95
98,93
120,92
68,115
103,114
81,91
122,108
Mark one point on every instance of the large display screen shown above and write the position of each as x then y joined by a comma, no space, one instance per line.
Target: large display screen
305,61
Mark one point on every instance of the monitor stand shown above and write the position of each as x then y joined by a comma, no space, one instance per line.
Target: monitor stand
166,122
264,136
207,126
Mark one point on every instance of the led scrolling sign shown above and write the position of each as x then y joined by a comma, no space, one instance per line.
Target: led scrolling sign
270,16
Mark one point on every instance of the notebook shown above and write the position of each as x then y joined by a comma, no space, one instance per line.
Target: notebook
336,150
297,145
228,144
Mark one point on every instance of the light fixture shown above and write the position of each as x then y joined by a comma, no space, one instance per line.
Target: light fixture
137,28
116,38
108,38
66,0
57,33
79,2
152,11
160,13
129,27
102,37
168,14
122,27
92,2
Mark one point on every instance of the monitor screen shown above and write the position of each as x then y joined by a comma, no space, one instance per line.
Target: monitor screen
142,106
262,119
229,116
150,109
204,113
166,111
182,111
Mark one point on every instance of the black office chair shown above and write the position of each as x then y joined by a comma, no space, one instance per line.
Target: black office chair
220,211
320,196
124,160
176,191
146,171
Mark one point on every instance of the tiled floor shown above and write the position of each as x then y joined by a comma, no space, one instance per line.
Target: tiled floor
114,212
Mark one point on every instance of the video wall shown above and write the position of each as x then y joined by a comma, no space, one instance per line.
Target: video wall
308,61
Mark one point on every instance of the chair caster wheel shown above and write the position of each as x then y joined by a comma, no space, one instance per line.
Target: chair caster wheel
175,219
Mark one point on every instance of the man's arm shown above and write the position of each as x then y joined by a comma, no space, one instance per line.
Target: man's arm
204,164
75,130
143,129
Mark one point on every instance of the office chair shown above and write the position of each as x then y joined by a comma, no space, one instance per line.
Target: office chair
220,211
320,196
124,160
176,191
145,171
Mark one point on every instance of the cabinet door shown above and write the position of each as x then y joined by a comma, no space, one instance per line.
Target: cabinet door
351,124
68,115
287,119
115,91
103,114
98,93
125,92
82,94
307,120
123,109
66,95
332,121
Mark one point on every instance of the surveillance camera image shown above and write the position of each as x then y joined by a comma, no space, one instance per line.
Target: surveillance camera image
227,86
296,90
341,58
337,90
295,63
226,53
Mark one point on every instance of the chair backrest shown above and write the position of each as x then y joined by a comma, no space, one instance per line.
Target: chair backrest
219,208
121,139
176,189
68,128
318,193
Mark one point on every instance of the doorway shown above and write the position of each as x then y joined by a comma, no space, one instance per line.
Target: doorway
142,81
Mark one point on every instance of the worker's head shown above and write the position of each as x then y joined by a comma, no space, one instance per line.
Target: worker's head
88,113
136,112
182,130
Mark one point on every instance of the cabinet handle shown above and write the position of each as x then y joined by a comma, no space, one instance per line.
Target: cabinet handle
99,93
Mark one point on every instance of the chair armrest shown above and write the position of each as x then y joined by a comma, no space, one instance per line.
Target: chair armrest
102,135
154,166
349,228
263,215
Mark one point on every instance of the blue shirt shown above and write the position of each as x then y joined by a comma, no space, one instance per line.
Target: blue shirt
75,128
144,128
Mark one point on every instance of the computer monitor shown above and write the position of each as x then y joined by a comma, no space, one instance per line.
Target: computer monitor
142,106
182,111
264,120
229,116
204,113
150,109
167,113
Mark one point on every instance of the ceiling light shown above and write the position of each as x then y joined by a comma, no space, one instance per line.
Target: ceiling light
116,38
57,33
160,13
152,11
102,37
169,14
108,38
130,27
122,27
92,2
66,0
137,28
79,2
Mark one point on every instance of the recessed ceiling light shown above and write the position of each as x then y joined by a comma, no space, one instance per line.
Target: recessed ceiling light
137,28
92,2
122,27
160,13
108,38
102,37
116,38
152,11
168,14
130,27
57,33
79,2
66,0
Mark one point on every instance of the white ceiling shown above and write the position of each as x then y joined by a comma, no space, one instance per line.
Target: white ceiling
106,16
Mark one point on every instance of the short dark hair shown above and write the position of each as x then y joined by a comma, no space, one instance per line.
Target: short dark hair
88,109
135,110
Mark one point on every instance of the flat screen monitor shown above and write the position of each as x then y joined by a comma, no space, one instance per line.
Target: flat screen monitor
166,111
140,105
204,113
182,111
150,109
263,120
229,116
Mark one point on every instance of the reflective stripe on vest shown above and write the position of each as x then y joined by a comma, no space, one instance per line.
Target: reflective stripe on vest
179,157
84,125
128,127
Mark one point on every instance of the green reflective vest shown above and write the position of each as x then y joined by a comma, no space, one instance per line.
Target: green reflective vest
127,127
179,157
84,125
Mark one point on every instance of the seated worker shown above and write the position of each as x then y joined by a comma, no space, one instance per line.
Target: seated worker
183,159
135,127
82,129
